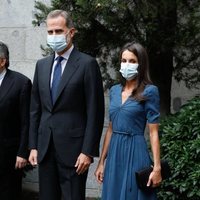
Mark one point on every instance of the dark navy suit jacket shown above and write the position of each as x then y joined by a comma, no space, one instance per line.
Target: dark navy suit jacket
75,121
15,93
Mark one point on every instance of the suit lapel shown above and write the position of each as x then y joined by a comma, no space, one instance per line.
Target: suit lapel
69,70
6,84
46,78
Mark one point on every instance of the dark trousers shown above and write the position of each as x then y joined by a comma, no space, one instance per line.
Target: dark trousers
57,181
10,178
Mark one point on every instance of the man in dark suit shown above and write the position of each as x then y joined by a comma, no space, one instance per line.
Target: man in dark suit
67,114
15,90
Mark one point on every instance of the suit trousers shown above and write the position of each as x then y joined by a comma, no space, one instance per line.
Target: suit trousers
10,178
58,181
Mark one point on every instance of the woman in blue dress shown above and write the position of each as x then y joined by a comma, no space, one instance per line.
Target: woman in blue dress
133,104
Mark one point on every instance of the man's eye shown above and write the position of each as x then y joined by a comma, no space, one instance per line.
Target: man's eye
59,31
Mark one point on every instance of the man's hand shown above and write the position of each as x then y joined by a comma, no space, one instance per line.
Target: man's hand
33,157
20,162
83,162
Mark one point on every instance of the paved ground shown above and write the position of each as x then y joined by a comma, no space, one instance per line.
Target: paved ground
31,195
31,187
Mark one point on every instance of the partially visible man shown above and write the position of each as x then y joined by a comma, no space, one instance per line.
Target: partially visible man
67,113
15,91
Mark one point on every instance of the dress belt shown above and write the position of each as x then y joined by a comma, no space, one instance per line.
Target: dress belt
128,133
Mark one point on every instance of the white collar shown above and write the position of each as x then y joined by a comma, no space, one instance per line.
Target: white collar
2,74
66,54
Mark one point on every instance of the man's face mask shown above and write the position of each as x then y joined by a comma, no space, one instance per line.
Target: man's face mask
57,42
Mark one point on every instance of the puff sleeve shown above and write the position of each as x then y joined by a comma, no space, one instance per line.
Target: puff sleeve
152,104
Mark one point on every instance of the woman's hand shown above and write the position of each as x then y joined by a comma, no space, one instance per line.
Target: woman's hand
155,179
99,173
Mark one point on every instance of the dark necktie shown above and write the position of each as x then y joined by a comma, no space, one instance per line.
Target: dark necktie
56,78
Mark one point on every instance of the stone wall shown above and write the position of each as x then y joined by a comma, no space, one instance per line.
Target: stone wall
17,31
180,95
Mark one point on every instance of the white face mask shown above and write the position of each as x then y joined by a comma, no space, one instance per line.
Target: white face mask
129,70
57,42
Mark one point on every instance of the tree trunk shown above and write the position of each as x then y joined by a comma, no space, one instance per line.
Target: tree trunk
161,68
161,52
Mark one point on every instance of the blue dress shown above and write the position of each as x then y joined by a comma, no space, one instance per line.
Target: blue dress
128,151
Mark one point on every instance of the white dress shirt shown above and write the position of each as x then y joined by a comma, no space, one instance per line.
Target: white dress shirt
63,63
2,75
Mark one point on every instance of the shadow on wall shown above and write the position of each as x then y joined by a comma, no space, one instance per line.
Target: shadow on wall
177,104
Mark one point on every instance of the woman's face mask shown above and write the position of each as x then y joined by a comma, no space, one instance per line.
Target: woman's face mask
129,70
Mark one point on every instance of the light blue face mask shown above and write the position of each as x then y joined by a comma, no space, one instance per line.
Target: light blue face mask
129,70
57,42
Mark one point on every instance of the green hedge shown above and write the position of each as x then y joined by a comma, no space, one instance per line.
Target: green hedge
180,145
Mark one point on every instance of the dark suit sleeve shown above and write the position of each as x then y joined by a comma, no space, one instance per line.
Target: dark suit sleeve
35,112
24,107
95,108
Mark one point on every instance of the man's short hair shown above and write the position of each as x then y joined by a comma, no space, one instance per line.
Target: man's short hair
64,14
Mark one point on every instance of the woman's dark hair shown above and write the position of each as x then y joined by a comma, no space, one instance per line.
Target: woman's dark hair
143,77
